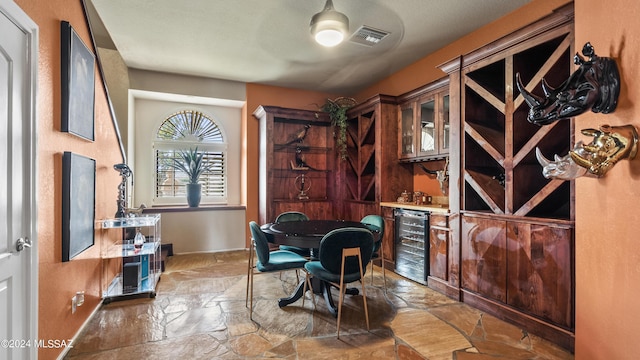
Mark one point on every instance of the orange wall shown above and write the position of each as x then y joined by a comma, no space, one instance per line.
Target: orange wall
607,209
59,281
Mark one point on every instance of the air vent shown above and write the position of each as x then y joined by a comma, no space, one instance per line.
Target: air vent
368,36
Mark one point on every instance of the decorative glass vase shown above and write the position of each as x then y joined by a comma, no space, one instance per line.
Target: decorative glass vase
138,240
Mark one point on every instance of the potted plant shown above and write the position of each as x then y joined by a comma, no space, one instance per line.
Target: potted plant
191,163
337,110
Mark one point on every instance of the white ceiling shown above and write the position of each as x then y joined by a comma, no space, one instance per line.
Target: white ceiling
268,41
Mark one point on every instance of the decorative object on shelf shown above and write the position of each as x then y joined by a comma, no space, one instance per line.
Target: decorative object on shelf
303,185
610,144
78,84
299,136
562,168
192,164
406,197
78,204
138,240
417,197
595,85
337,110
300,164
125,172
441,175
132,212
329,27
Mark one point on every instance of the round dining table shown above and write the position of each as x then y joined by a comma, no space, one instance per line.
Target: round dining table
308,234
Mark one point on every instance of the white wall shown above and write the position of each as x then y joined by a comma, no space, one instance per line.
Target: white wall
202,230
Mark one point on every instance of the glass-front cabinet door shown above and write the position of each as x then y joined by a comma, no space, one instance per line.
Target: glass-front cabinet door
407,131
424,122
444,143
428,128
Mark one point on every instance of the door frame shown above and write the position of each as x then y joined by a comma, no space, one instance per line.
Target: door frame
12,11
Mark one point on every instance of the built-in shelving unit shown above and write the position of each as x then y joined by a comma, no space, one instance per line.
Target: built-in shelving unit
515,227
297,162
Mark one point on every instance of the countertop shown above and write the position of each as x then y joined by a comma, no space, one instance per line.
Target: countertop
426,207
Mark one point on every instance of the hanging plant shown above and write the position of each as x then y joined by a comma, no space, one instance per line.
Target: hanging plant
337,110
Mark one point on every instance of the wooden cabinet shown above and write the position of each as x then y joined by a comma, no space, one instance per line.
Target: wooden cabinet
388,242
523,264
514,226
443,256
371,173
424,127
297,163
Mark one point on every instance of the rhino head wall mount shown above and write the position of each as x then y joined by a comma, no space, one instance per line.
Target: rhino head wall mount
594,86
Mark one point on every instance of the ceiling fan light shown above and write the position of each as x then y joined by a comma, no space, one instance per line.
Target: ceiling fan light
329,27
329,37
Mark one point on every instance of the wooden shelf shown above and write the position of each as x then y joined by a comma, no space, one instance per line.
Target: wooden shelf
278,190
499,138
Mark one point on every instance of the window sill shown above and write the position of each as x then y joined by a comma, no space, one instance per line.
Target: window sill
185,208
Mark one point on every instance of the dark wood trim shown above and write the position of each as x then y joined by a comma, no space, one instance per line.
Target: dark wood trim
524,219
443,287
562,337
433,86
562,16
372,101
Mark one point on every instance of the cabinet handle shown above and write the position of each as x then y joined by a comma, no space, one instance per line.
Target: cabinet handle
436,227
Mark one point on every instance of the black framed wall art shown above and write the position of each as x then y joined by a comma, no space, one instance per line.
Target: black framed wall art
78,204
78,84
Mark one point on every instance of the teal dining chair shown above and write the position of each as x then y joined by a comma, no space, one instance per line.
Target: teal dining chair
294,216
343,257
265,261
378,250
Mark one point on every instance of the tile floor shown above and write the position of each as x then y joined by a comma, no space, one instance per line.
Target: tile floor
200,313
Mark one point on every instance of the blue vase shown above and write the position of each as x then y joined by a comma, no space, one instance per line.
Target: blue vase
194,192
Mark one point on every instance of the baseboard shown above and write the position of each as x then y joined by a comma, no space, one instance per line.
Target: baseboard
80,330
443,287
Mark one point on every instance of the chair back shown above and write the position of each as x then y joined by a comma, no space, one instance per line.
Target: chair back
291,216
333,242
260,241
375,220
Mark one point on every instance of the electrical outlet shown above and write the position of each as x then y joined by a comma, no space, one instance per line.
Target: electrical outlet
74,304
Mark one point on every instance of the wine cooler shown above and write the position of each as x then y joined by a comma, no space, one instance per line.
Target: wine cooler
411,242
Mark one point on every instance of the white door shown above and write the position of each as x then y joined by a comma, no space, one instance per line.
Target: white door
18,255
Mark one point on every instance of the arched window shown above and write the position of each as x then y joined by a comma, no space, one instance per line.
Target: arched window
189,129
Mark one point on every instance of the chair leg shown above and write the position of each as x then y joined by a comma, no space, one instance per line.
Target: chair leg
364,292
250,282
341,291
371,262
307,282
384,275
249,268
346,253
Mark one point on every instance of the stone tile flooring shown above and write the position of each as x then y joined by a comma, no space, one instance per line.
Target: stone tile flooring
200,313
